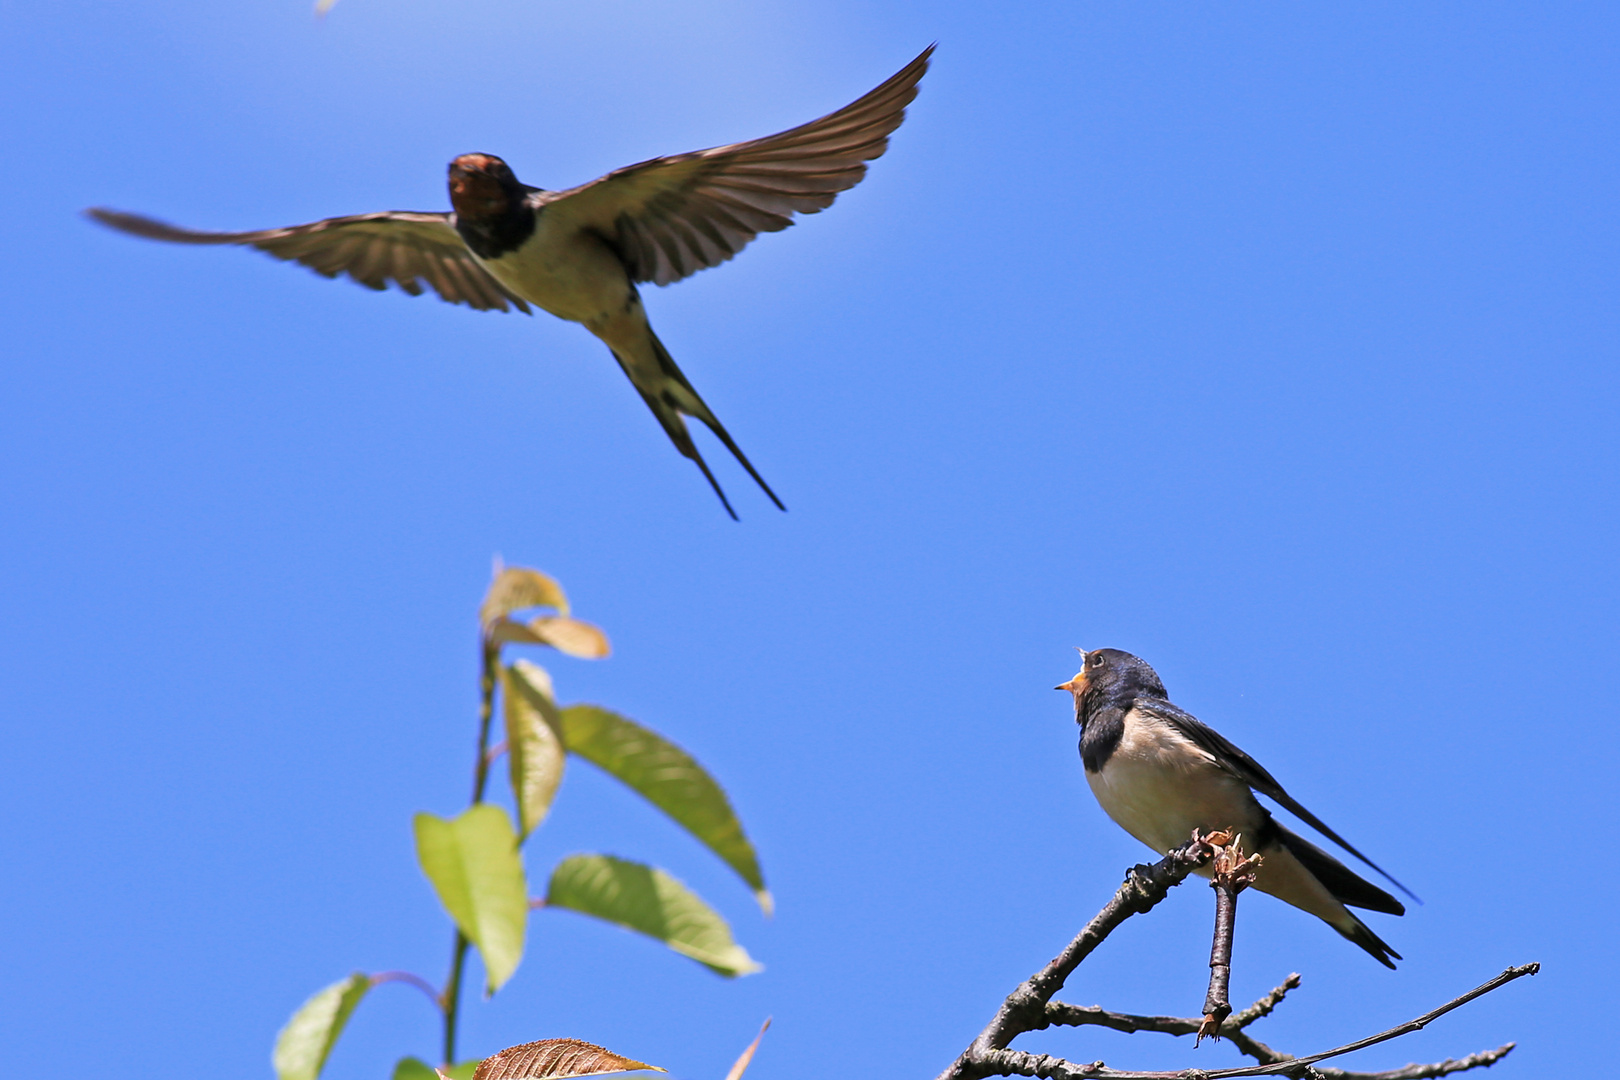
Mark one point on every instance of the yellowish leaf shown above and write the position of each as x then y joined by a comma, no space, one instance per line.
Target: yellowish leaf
534,746
516,588
570,636
566,635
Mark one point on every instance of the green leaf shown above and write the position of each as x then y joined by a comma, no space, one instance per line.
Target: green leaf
473,863
413,1068
550,1058
534,746
670,779
461,1070
303,1045
518,587
648,900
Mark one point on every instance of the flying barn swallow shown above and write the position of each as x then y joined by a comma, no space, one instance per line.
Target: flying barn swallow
580,253
1160,774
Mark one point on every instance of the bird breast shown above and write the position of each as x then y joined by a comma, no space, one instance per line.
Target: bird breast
1159,785
565,270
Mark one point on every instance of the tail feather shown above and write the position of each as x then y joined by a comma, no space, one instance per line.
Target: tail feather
675,428
1350,889
696,407
1345,884
1298,872
1375,945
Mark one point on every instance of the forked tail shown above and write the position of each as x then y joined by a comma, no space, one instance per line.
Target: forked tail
675,396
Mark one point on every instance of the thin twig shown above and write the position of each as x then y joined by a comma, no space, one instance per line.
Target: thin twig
1393,1033
1217,1000
1483,1059
1262,1008
1059,1013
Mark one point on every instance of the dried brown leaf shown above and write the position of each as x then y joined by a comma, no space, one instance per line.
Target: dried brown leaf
741,1064
549,1059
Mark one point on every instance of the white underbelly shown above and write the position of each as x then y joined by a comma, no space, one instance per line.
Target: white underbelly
574,276
1159,786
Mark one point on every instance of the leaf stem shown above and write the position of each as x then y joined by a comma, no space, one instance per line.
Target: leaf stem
412,979
486,712
452,998
490,658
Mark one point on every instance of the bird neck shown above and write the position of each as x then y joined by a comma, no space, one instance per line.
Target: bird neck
1101,714
1100,731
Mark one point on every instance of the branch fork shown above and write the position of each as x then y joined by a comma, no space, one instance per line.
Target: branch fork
1030,1006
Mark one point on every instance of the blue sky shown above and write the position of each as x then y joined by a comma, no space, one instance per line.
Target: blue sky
1274,343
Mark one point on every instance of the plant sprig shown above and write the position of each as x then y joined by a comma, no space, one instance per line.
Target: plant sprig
474,860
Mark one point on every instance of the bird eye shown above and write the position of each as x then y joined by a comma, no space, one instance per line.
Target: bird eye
1096,661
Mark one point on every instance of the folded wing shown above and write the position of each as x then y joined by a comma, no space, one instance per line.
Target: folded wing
673,216
410,249
1251,772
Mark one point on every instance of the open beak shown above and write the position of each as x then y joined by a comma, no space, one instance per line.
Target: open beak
1076,685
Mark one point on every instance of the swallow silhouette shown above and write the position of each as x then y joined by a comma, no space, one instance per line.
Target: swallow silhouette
579,254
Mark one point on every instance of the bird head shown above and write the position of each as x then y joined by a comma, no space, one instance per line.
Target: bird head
1110,675
482,186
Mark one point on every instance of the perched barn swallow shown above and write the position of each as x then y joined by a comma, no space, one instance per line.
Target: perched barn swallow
1160,774
580,253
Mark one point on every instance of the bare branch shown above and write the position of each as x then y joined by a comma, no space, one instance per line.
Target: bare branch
1030,1008
1025,1008
1230,874
1061,1014
1484,1058
1018,1063
1058,1013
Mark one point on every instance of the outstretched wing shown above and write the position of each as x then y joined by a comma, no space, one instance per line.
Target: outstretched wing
397,245
1251,772
673,216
